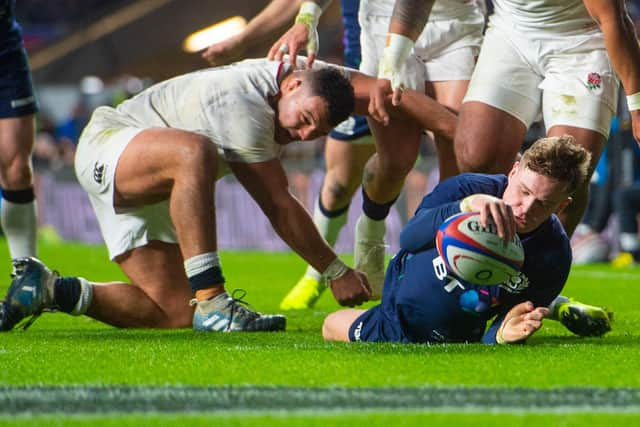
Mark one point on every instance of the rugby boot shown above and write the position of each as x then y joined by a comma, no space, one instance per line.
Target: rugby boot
225,313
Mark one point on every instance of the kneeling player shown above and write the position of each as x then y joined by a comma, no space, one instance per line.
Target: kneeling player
422,304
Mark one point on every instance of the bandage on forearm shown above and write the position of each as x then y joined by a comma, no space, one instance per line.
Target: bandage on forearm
309,14
394,56
633,101
335,270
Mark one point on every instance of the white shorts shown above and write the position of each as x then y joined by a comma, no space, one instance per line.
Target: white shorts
568,79
445,51
99,149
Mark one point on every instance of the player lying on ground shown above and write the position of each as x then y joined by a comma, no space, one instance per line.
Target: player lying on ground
150,166
421,303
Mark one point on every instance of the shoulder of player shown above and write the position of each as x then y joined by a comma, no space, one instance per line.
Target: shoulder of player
475,183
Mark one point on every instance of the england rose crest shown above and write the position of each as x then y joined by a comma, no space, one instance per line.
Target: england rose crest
594,80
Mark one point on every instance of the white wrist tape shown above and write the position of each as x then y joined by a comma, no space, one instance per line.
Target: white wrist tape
394,56
309,15
309,11
335,270
633,101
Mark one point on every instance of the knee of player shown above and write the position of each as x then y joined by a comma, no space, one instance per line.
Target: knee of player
339,191
16,175
328,328
198,153
326,331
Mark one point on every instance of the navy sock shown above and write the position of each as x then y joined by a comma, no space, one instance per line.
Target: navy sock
373,210
19,196
331,214
66,293
206,279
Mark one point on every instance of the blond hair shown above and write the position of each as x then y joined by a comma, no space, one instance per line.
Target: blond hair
560,158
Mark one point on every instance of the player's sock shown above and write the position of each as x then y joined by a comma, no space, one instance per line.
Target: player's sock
374,210
19,222
72,295
555,305
629,242
369,246
205,275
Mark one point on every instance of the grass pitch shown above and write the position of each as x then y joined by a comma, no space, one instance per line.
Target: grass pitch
75,371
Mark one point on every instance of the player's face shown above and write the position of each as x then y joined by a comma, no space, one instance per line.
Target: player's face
533,197
303,115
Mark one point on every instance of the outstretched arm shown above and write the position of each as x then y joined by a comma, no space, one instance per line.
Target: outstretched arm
268,24
623,49
267,183
415,107
522,321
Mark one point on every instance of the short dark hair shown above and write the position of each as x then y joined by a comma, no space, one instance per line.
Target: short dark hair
336,89
561,158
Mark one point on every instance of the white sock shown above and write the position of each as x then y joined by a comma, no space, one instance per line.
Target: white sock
19,222
86,297
370,229
629,242
199,263
329,228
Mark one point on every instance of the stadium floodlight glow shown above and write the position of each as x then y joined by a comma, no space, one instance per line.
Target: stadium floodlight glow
213,34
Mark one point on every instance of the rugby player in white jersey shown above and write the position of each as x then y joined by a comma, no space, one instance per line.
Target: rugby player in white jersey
440,65
149,167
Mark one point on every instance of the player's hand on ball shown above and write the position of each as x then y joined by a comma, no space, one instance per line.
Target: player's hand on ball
494,208
351,289
522,321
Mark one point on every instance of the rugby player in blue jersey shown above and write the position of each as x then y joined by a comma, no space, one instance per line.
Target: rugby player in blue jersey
421,303
17,127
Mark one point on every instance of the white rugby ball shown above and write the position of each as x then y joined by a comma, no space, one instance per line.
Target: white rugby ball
477,254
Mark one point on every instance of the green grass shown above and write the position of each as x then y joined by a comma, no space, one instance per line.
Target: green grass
372,419
75,351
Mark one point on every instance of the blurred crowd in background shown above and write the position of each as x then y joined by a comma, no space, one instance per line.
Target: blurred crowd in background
66,108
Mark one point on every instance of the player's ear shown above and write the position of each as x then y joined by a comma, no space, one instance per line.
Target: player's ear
514,169
563,205
295,81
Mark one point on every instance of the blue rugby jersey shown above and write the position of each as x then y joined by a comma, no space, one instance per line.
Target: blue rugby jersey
10,33
432,306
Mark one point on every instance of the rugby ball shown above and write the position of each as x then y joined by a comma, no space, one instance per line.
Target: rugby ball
477,254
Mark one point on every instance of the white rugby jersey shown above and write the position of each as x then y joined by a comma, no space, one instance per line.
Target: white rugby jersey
230,105
441,10
558,16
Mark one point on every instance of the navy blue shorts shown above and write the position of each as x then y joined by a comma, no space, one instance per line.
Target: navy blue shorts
416,307
17,96
381,323
353,128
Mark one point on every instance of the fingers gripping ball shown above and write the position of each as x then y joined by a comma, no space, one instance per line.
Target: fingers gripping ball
475,253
